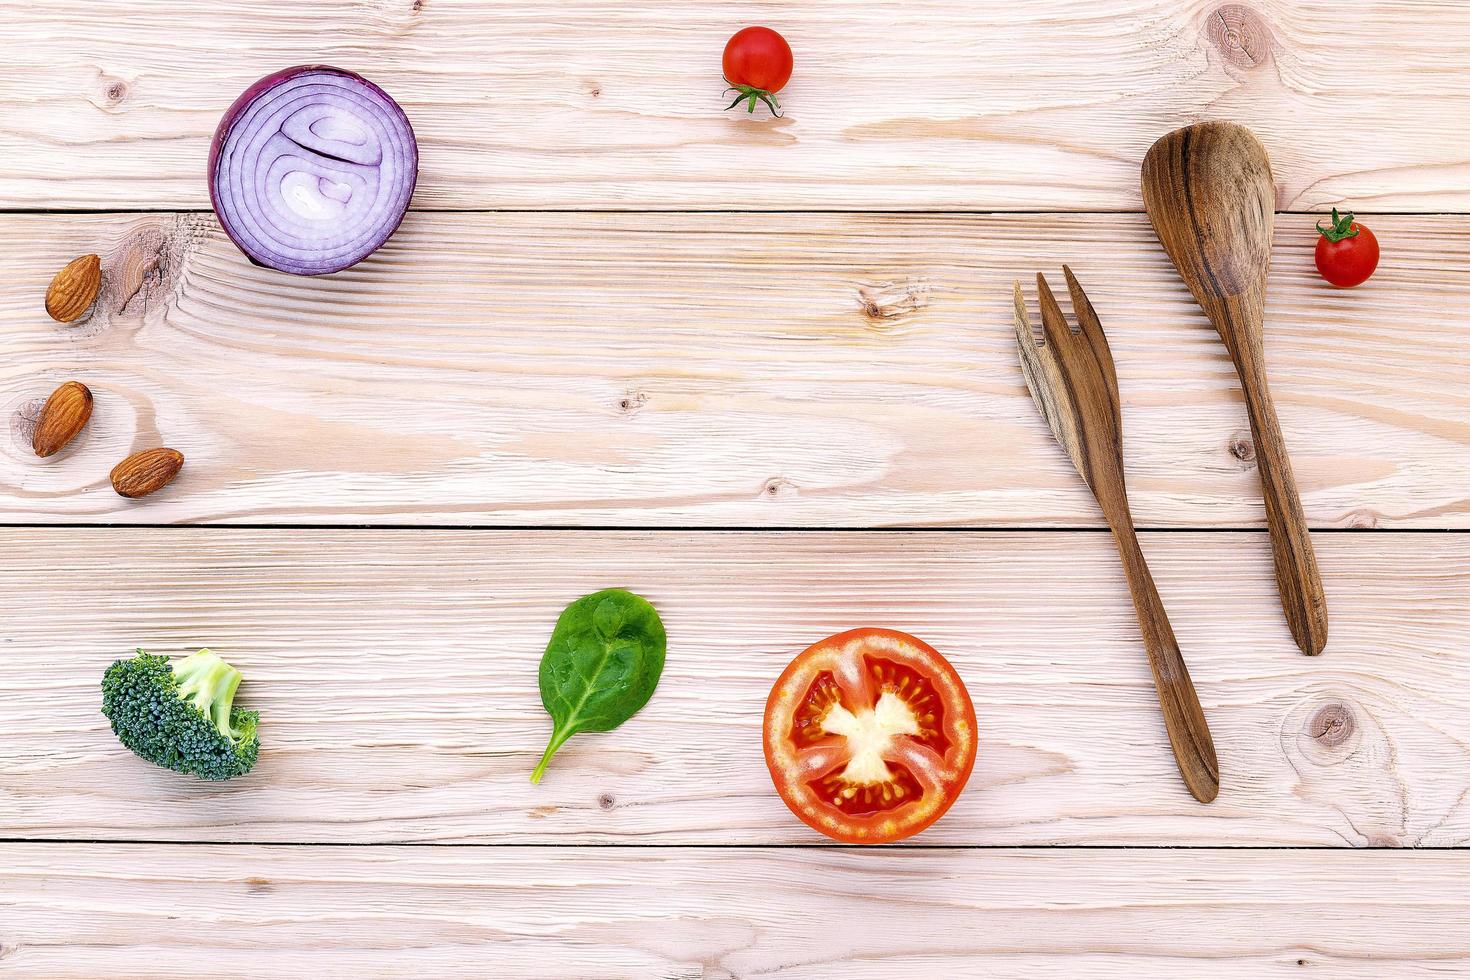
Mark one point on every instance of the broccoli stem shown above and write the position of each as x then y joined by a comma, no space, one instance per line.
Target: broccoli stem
210,684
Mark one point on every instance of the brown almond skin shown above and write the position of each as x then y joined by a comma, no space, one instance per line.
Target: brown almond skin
146,472
64,416
74,289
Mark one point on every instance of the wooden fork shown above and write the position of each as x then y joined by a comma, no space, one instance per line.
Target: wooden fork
1070,375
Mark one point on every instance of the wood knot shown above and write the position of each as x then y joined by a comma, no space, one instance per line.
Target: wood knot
1328,730
1332,724
1241,35
114,91
779,487
594,90
145,269
606,801
884,302
418,6
1242,447
23,420
1362,518
258,886
632,401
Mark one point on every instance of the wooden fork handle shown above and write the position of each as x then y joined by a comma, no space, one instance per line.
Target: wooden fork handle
1184,719
1297,578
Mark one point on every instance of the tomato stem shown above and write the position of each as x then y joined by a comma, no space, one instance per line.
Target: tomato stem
749,93
1342,227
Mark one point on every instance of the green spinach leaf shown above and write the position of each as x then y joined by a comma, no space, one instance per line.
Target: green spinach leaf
601,666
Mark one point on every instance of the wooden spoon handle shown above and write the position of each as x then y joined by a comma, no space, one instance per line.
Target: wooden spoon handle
1297,577
1184,719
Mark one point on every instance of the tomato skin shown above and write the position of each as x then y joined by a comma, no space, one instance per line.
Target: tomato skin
759,58
1352,257
797,784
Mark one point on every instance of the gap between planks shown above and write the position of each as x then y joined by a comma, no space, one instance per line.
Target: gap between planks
667,846
738,212
723,529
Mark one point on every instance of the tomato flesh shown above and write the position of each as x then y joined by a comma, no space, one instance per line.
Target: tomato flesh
867,798
806,726
758,57
919,694
1349,262
869,736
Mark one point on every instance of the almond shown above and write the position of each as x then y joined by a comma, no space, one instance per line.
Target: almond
146,472
66,414
74,289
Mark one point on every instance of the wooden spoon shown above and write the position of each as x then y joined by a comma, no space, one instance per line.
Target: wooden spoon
1072,380
1209,193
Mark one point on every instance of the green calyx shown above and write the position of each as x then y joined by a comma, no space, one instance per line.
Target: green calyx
1342,227
750,94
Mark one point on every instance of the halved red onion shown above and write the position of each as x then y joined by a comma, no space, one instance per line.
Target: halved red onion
312,169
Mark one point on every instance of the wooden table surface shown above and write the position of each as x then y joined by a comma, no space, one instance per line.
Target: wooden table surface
761,371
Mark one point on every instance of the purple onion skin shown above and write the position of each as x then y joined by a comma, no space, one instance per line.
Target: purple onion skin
243,103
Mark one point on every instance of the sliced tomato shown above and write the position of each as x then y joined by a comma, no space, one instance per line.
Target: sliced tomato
870,736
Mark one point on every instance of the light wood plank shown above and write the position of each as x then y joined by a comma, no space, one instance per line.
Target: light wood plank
795,370
903,104
684,914
396,675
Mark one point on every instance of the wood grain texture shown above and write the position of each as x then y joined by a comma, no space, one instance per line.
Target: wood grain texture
395,672
1208,190
903,104
685,914
793,370
1071,378
523,366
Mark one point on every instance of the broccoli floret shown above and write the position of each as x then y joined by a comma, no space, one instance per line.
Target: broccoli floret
181,716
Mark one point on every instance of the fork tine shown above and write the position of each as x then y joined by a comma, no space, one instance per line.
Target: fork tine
1082,307
1025,335
1054,324
1092,332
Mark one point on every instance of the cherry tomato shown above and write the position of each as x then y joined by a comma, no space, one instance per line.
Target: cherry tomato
869,736
757,65
1347,252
